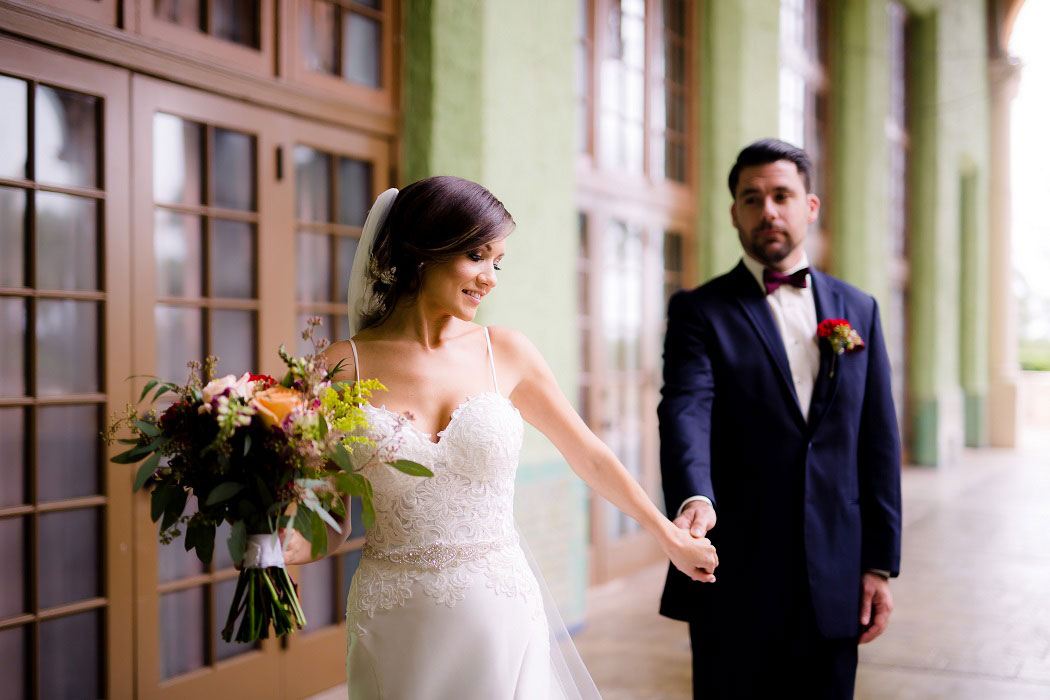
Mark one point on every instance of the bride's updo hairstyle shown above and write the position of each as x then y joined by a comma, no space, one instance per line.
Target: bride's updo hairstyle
432,221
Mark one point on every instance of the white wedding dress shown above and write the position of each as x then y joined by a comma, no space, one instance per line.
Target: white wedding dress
444,604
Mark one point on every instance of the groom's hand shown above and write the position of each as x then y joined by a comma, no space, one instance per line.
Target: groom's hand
698,517
875,606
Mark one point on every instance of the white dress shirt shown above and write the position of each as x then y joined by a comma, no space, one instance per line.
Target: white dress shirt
795,312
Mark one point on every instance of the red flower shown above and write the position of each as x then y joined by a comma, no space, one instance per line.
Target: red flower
265,379
840,336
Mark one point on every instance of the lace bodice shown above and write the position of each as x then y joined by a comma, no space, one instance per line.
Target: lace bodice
462,517
469,499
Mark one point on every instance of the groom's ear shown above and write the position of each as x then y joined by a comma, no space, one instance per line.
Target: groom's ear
732,212
813,202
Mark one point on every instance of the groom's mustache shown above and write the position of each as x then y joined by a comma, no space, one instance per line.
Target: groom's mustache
768,230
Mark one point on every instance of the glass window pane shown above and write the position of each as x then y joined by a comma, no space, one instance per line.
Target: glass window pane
14,663
67,347
13,341
313,185
186,13
355,191
68,541
12,457
12,234
71,661
182,632
345,249
13,127
317,593
180,338
67,242
319,36
349,562
236,21
177,254
68,446
313,267
173,561
224,591
361,49
178,147
233,340
13,572
233,170
232,259
66,137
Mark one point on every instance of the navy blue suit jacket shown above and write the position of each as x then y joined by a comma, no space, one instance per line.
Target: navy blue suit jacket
804,507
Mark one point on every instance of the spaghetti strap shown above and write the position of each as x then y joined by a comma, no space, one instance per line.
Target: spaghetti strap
492,360
357,364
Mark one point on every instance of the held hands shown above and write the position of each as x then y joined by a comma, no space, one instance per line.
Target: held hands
691,552
875,606
296,548
698,517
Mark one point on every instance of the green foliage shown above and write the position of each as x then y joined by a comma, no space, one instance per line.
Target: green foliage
1035,355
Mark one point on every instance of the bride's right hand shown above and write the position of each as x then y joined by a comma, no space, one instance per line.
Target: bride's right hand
693,556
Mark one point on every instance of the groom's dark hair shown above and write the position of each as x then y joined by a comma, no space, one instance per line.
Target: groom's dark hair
770,151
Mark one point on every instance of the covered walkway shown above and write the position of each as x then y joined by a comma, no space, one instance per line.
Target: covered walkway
972,615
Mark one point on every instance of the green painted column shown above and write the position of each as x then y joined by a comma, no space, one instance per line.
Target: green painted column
949,213
857,217
488,95
737,85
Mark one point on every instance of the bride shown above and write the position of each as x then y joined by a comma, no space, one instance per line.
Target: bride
444,604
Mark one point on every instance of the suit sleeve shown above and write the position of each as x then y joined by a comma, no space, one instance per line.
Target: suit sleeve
879,461
685,407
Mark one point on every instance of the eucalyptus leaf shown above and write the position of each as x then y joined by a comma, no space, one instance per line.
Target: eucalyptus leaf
411,468
159,501
323,513
368,513
301,522
147,429
351,483
163,389
146,471
237,542
247,444
175,505
200,535
319,538
323,425
149,385
223,492
341,458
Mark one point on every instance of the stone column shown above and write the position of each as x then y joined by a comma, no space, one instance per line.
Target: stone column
1004,74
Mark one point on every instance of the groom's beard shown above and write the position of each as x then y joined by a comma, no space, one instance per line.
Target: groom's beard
767,252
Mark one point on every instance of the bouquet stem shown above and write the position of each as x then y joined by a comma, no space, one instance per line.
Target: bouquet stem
265,595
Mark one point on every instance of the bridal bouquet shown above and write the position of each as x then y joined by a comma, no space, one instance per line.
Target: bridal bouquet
263,455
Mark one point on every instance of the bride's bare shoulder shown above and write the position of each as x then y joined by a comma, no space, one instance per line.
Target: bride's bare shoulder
341,352
514,347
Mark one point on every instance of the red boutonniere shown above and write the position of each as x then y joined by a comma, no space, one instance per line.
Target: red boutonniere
840,336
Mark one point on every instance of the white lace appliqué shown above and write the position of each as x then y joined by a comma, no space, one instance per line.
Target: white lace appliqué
465,506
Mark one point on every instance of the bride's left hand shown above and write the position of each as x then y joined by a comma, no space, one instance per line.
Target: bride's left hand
296,548
693,556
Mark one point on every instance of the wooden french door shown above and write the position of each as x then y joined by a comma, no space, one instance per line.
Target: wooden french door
207,202
630,262
246,223
65,512
337,176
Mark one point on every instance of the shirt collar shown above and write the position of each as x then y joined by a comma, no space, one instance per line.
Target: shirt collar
755,268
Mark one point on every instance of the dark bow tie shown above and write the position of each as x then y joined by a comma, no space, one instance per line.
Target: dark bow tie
774,279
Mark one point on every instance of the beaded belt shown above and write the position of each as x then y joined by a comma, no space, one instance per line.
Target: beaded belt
437,556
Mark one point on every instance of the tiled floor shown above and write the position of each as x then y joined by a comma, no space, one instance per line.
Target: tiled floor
972,616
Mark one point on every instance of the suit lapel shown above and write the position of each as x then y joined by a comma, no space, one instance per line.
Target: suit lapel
754,304
829,305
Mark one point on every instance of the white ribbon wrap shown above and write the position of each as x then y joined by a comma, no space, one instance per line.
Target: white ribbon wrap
263,551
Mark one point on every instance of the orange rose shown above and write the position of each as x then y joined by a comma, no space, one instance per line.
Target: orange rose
274,404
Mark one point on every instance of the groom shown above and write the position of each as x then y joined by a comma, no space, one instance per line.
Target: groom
790,446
